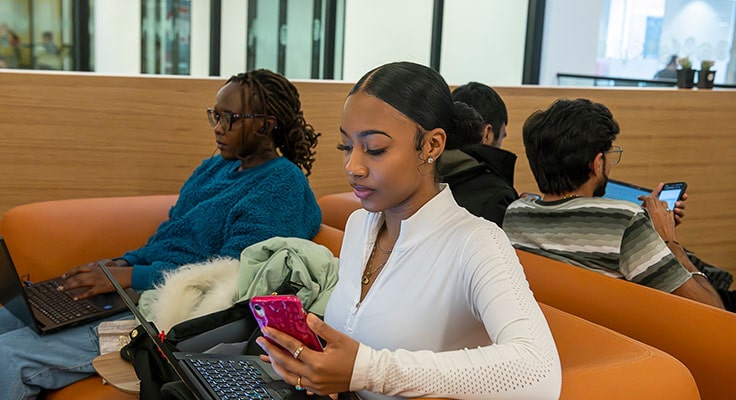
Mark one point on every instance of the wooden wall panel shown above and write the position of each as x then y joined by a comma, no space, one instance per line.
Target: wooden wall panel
69,135
82,135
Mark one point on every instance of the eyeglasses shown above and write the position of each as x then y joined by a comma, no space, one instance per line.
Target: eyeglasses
226,119
617,157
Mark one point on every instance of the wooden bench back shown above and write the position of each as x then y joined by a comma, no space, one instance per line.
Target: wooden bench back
67,135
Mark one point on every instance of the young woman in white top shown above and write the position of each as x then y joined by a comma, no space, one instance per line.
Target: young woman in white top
431,300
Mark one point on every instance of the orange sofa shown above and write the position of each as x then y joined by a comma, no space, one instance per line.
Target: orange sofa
47,238
599,363
700,336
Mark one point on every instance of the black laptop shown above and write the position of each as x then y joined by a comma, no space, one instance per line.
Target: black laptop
218,376
620,190
45,309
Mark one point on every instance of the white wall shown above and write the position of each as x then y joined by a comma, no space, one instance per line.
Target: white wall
571,32
232,45
382,31
117,37
299,37
484,40
200,40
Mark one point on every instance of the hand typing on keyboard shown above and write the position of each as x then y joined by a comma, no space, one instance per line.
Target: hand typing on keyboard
92,281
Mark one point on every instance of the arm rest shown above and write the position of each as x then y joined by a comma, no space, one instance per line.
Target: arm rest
329,237
698,335
598,363
337,207
47,238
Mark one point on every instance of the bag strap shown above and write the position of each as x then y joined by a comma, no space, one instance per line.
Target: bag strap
150,367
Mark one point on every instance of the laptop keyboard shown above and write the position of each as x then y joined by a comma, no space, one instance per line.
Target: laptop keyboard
58,306
232,379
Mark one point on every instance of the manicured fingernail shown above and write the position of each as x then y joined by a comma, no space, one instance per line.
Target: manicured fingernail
261,342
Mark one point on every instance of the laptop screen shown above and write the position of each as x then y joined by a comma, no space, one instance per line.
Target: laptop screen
12,296
625,191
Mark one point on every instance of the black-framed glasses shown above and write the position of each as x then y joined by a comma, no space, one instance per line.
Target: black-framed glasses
616,157
226,119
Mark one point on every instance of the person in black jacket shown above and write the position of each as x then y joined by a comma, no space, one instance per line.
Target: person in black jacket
481,175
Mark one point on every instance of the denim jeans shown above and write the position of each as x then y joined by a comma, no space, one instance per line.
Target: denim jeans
30,362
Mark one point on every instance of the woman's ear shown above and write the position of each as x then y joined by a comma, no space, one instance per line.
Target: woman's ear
269,124
434,143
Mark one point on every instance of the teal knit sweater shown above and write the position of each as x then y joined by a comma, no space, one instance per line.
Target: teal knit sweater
221,211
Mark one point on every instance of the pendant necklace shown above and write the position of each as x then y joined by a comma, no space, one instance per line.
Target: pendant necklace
366,279
367,274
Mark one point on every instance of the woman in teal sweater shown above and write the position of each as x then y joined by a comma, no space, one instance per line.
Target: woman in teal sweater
253,190
222,210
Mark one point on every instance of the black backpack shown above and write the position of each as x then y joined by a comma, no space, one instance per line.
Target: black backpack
157,379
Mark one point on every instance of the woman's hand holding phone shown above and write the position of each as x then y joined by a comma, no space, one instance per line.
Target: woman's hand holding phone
286,314
322,372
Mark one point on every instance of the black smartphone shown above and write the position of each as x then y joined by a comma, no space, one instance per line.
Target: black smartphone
672,192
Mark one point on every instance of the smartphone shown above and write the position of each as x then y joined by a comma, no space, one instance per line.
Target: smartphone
286,314
672,192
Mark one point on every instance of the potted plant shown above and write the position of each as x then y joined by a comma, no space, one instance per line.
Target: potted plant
685,73
706,75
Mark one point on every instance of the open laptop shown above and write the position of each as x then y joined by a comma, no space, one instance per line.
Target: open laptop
217,376
43,308
625,191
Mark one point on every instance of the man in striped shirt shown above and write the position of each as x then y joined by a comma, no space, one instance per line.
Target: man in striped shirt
570,151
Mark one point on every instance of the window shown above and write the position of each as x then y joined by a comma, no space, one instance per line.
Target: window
634,39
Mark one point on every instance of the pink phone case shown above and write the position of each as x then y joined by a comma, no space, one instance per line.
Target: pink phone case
286,314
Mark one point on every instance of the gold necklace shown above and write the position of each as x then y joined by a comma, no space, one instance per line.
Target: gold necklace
367,274
570,196
382,250
377,245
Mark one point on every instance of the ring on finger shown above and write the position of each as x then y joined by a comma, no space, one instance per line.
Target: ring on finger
297,352
299,383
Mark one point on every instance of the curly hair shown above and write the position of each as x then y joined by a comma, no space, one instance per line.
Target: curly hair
274,95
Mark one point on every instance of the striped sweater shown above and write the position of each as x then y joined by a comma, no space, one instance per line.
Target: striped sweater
612,237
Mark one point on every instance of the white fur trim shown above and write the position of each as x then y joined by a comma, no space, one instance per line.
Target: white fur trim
194,290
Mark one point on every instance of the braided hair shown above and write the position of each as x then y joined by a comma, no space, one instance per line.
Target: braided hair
273,95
